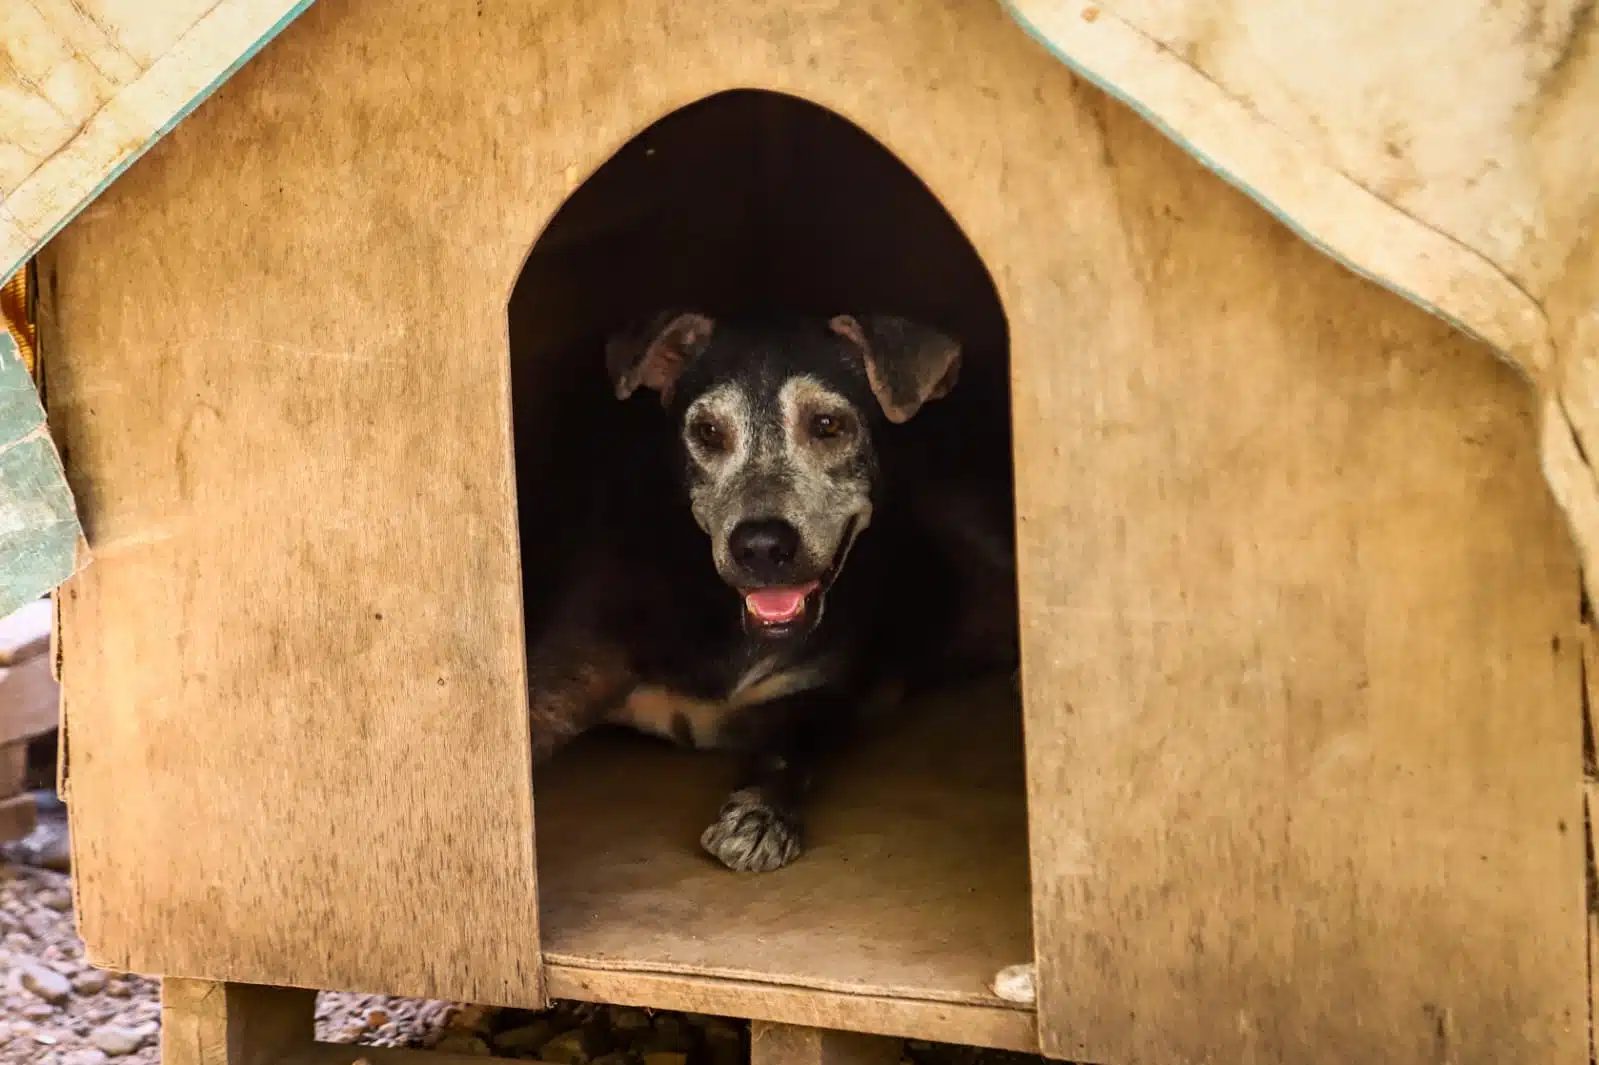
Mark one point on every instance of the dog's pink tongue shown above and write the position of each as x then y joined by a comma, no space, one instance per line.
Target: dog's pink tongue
774,605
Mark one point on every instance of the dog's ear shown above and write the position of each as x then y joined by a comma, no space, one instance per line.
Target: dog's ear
907,364
656,354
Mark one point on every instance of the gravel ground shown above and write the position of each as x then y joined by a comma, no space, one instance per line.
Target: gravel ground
58,1010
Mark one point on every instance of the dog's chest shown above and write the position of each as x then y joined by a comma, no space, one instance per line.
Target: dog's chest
694,720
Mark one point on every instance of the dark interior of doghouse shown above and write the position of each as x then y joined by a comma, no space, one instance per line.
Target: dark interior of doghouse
914,882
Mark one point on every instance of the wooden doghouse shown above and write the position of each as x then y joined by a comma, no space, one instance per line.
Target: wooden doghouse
1303,687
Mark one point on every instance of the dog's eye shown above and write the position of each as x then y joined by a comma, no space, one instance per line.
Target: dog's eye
709,435
828,426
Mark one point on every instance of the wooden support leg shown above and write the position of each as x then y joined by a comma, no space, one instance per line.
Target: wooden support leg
16,807
207,1023
789,1044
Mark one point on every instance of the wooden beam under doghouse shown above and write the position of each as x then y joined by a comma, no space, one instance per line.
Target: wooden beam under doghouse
29,701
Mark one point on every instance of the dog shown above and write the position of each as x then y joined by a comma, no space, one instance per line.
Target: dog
770,552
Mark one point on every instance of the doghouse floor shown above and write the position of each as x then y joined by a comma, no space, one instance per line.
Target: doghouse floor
914,884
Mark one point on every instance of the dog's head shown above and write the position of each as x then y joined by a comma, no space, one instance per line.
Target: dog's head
776,422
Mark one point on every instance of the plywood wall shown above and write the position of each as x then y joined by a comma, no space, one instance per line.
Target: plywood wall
1299,617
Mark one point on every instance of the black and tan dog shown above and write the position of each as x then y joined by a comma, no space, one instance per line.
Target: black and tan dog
848,554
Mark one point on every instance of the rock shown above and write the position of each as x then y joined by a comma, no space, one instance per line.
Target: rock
624,1019
89,982
666,1057
461,1043
38,1011
117,989
377,1018
670,1036
471,1018
46,983
59,901
5,1033
723,1044
528,1037
565,1049
86,1056
117,1040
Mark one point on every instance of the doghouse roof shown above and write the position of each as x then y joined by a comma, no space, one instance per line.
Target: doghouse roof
1439,149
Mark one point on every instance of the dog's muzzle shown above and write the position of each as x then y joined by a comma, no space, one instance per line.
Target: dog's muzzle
780,609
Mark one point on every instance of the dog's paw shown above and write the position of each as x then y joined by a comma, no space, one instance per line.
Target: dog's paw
749,836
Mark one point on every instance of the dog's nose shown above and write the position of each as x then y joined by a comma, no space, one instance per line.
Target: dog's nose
765,548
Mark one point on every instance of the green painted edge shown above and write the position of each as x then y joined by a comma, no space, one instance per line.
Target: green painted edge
167,127
39,527
1220,170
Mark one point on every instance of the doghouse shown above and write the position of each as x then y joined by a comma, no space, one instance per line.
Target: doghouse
1299,772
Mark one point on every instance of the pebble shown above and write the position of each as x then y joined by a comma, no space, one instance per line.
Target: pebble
89,982
471,1018
666,1057
38,1011
117,1040
377,1018
630,1020
528,1037
565,1049
668,1036
117,989
46,983
59,901
724,1045
86,1056
461,1043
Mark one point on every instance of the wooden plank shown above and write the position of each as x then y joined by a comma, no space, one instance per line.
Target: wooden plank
25,632
18,815
985,1026
1301,679
13,768
789,1044
206,1023
29,700
1589,647
928,821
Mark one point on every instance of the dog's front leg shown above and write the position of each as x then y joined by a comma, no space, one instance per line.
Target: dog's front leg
785,742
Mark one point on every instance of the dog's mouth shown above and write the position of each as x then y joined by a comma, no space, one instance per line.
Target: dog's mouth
780,610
